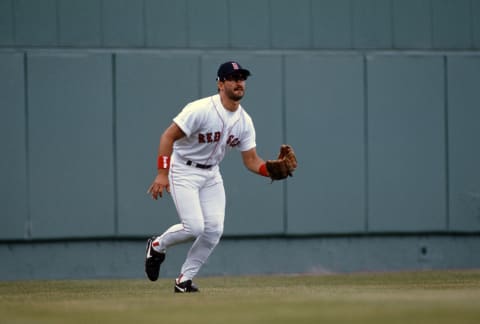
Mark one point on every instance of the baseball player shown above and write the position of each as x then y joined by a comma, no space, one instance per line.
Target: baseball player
189,154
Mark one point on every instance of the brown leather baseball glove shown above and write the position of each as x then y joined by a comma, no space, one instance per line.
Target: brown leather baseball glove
284,165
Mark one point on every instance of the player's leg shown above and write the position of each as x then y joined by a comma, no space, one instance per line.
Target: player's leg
190,214
212,199
186,198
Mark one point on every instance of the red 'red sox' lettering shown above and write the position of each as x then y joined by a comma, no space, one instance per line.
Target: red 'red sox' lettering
215,137
209,137
232,141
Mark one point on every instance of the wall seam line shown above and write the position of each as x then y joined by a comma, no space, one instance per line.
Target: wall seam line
447,148
366,146
284,137
114,144
28,225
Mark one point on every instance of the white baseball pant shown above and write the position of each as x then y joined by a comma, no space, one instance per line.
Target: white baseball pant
199,196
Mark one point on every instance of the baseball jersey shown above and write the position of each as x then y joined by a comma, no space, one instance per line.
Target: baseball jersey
211,129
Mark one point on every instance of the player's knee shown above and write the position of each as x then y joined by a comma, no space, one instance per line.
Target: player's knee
195,229
214,233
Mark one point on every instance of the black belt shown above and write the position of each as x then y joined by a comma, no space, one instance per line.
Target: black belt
198,165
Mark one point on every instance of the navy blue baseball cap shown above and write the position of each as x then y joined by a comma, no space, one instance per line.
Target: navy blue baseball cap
231,67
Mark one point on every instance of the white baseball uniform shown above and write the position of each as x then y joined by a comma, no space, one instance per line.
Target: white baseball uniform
195,181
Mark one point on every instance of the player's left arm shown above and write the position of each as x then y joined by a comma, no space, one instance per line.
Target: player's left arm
253,162
277,169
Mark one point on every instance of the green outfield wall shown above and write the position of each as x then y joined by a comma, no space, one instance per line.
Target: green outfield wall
380,100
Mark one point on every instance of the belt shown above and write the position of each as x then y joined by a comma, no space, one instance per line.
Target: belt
198,165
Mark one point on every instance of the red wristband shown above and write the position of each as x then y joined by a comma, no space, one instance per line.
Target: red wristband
163,162
263,170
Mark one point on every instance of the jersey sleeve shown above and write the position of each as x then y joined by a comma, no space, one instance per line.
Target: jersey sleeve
187,120
248,141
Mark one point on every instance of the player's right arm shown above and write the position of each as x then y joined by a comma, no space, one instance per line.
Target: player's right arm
165,149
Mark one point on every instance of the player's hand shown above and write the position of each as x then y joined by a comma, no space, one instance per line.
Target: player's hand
160,183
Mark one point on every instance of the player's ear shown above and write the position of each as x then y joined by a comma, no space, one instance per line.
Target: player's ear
219,85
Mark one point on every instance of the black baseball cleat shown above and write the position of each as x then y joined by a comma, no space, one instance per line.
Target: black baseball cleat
153,260
185,287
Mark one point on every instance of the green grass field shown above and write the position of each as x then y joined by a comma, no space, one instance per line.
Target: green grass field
387,298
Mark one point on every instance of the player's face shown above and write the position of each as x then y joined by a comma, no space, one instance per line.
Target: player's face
234,86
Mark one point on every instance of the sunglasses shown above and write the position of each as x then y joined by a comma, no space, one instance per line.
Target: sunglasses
235,77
